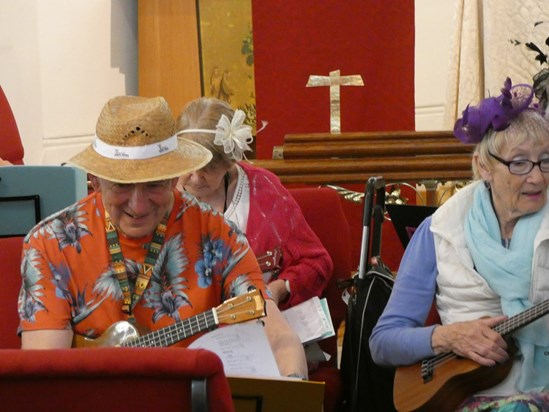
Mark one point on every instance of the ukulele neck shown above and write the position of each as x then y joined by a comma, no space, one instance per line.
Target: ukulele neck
177,332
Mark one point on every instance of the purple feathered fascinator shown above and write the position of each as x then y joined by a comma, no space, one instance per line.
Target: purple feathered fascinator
493,112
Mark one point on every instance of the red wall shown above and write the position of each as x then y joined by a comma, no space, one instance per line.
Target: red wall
297,38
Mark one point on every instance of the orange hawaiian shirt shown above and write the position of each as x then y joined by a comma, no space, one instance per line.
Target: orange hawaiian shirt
69,282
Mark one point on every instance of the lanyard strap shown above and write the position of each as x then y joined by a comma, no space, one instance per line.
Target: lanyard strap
145,270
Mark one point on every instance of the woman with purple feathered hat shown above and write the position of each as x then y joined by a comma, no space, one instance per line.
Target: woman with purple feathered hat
483,260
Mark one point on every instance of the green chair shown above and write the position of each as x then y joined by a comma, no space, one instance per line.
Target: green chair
28,194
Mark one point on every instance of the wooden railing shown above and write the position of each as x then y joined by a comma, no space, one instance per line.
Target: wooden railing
324,158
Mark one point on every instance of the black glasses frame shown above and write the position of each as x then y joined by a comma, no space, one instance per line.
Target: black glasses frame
532,164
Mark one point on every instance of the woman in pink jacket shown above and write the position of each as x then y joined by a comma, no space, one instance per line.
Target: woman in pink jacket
255,201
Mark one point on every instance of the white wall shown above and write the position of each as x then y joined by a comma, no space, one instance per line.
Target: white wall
61,60
434,29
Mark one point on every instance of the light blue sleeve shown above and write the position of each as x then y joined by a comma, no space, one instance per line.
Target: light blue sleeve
400,337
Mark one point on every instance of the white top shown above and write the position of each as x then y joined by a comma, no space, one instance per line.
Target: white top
239,208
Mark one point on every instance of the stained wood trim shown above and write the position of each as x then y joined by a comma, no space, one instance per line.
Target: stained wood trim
367,136
353,157
169,63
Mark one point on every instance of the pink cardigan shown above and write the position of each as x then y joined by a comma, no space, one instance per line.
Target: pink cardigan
275,219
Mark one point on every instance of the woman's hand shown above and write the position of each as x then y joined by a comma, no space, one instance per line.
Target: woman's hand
475,340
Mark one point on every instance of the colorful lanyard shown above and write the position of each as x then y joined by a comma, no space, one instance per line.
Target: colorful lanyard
145,270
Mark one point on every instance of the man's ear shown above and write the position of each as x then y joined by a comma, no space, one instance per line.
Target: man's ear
173,182
96,184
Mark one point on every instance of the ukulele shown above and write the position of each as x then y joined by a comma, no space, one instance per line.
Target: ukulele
271,262
122,333
442,382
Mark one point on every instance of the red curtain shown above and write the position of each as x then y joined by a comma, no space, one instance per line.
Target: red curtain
296,39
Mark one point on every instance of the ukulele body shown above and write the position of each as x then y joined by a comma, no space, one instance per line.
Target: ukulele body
451,383
240,308
116,335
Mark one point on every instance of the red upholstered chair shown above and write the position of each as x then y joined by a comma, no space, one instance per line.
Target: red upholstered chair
323,211
113,379
107,379
10,283
11,147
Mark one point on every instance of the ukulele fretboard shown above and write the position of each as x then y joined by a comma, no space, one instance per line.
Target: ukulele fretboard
523,318
174,333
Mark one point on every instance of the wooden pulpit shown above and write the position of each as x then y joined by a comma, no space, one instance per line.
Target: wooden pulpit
407,156
254,394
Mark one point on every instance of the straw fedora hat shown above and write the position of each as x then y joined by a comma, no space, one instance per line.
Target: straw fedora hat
135,142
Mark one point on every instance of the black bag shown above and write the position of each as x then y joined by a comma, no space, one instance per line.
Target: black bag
367,386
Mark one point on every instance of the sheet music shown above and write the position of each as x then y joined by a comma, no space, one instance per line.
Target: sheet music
243,348
311,320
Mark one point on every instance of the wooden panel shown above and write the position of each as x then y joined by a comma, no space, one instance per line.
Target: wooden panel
359,170
169,62
353,157
374,148
252,394
367,136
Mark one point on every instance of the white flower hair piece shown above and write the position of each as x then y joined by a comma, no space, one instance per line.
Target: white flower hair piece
235,136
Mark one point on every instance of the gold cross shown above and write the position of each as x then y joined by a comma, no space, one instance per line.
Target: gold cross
334,81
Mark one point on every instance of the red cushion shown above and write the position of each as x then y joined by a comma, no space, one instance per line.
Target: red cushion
10,278
333,384
11,147
323,211
110,379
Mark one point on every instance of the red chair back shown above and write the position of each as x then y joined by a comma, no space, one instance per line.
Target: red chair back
10,284
113,379
324,212
11,147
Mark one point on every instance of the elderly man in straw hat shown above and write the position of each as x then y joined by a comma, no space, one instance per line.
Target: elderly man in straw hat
136,249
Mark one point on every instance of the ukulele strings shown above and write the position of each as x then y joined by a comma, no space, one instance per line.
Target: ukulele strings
523,318
440,359
503,328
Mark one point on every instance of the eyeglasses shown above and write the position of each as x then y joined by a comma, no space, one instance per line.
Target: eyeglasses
522,167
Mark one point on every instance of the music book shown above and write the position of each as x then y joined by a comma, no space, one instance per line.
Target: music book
311,320
245,350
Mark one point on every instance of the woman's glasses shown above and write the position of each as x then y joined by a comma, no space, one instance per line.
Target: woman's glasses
522,167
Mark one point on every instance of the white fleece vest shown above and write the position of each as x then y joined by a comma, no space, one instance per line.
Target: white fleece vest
462,294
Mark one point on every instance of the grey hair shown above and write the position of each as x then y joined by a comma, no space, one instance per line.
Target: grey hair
204,113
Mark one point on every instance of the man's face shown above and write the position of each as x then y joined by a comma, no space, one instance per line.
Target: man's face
136,208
